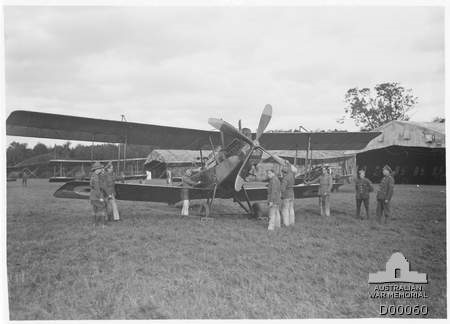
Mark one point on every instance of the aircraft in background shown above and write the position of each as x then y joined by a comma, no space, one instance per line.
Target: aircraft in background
135,166
222,176
13,173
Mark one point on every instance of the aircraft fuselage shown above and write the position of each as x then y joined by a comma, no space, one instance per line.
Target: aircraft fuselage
223,171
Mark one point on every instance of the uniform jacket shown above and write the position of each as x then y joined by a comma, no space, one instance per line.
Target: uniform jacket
287,184
186,183
325,184
97,192
274,191
107,183
363,187
386,189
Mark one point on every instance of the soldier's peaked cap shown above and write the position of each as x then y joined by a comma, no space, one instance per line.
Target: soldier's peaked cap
97,165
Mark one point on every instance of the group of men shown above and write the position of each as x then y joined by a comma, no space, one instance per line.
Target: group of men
364,187
282,193
102,195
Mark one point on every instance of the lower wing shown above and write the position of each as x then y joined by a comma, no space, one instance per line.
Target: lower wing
133,192
300,191
172,194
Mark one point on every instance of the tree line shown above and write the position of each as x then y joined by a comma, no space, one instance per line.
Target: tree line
18,152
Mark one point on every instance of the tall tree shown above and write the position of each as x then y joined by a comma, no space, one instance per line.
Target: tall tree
17,152
371,109
39,149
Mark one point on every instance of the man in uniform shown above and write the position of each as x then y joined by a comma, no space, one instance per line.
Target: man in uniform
287,195
363,188
186,183
325,186
108,185
97,194
274,200
384,195
24,177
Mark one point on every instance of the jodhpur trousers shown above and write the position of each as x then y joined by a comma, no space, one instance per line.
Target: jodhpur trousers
324,204
287,211
274,217
112,210
358,207
383,210
185,209
99,209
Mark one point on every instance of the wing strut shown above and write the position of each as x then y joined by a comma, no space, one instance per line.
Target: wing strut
124,145
92,148
213,150
212,198
248,200
118,159
236,199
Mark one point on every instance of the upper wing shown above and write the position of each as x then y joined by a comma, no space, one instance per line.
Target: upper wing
133,192
318,141
44,125
77,162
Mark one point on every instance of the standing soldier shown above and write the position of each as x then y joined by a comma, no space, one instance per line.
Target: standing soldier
97,195
274,200
24,178
325,186
186,183
384,195
363,188
287,195
108,185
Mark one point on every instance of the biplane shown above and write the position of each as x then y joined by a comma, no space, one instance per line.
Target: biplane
17,172
132,169
234,153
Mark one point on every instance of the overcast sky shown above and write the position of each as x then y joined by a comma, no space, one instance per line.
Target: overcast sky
179,66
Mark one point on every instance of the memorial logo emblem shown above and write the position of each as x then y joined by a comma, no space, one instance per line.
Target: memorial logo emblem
397,270
399,290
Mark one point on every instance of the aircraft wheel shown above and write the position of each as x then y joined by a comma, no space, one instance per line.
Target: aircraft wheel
257,210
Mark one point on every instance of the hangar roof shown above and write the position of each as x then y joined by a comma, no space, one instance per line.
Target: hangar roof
410,134
437,127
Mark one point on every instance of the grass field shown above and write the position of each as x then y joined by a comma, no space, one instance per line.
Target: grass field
155,264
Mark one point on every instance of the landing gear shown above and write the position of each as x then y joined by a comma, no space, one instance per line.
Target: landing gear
250,210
